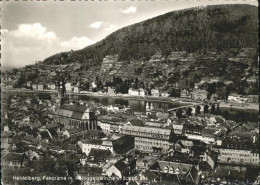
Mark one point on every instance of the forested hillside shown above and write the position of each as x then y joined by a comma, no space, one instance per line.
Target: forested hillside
171,52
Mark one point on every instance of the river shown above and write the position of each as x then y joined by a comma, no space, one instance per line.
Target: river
140,106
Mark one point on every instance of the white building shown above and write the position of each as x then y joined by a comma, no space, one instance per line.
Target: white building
76,90
68,87
141,92
133,92
88,144
53,87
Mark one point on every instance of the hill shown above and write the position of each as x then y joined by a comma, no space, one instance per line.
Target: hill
177,50
185,30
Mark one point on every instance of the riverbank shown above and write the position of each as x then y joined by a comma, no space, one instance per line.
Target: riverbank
183,101
243,106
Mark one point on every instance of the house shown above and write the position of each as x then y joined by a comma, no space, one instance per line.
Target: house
68,86
122,168
99,155
177,128
147,176
76,90
88,172
141,92
88,144
241,151
13,160
155,92
237,98
53,87
198,94
72,132
34,87
179,173
133,92
116,145
165,94
111,90
28,84
185,94
40,87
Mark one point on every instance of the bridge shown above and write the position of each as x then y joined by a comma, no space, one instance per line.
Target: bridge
194,109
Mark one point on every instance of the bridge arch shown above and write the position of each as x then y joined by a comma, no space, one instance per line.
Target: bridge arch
197,110
179,113
189,111
213,108
206,109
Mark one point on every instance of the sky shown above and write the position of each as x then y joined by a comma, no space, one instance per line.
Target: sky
34,30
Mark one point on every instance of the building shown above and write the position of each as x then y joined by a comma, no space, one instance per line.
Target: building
207,135
165,94
53,87
237,98
121,168
40,87
28,84
13,160
34,87
87,145
159,124
116,145
175,172
141,92
185,94
198,94
73,132
76,89
78,116
155,92
111,90
133,92
110,124
68,86
150,139
234,150
177,128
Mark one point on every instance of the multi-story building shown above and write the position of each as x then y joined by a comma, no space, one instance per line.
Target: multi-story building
111,90
185,94
207,135
78,116
150,139
40,87
117,145
76,89
165,94
237,151
68,86
87,145
198,94
155,92
133,92
109,124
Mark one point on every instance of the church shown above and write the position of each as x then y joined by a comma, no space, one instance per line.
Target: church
76,115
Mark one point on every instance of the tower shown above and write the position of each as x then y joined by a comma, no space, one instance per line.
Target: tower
147,108
152,107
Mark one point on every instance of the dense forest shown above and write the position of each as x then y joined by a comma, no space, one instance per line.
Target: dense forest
217,27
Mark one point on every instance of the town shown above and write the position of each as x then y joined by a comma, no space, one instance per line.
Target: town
56,133
165,93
